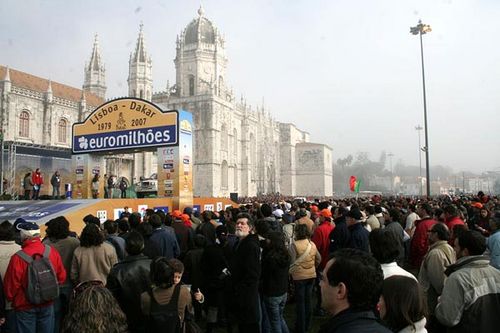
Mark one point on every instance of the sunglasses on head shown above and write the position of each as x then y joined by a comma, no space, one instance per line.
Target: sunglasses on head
85,285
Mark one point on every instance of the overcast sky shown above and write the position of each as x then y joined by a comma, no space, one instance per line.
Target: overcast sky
346,71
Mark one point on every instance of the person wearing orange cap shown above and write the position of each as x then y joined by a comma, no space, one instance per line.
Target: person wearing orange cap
183,233
314,210
186,220
321,239
176,214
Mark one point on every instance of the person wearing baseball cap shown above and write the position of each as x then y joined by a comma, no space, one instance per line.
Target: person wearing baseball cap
16,281
358,233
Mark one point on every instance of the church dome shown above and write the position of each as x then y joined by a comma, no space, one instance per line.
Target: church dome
200,28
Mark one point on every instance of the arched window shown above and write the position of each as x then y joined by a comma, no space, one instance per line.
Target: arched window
223,175
191,85
24,124
223,138
141,94
62,130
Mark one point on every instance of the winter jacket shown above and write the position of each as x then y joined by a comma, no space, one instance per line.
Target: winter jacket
306,269
321,238
55,181
359,237
373,222
245,268
307,221
419,243
349,321
119,244
451,223
470,301
192,268
66,248
274,273
494,247
162,243
93,263
37,178
398,230
184,236
127,280
27,183
339,237
431,275
16,276
207,229
7,250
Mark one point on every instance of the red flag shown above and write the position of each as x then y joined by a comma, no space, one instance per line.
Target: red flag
352,183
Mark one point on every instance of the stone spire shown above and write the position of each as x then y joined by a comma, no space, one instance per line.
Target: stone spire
140,77
140,54
95,58
95,72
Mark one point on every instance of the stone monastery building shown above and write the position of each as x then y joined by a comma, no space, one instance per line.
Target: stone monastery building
237,148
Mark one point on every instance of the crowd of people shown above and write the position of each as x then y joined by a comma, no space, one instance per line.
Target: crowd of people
356,264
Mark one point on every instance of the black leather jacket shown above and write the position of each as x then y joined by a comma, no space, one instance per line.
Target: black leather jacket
127,280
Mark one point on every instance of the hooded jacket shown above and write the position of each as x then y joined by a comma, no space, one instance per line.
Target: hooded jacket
470,301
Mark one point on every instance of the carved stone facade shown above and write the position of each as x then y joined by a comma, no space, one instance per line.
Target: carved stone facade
237,147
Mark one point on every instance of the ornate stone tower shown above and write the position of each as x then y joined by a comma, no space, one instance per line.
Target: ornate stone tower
200,60
140,73
140,84
95,73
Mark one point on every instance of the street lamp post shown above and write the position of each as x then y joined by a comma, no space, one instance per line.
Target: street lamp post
420,128
422,29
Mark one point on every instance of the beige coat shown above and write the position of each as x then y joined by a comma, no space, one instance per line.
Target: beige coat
93,263
431,275
307,268
7,250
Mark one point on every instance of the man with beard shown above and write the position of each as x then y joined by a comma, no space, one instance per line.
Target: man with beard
245,271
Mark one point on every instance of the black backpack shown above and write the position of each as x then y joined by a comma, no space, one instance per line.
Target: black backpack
164,318
42,280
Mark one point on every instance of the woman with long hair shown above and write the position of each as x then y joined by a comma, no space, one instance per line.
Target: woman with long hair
94,258
93,309
402,305
274,277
